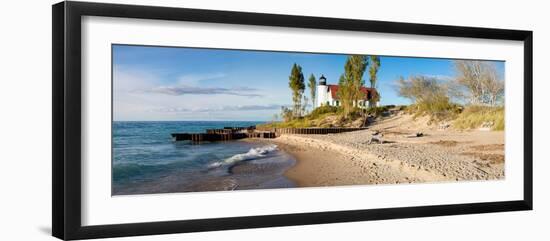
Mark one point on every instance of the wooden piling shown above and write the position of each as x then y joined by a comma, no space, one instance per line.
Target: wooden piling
230,133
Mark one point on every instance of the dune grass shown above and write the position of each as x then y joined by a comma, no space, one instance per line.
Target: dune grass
322,111
462,117
296,123
309,120
469,117
302,122
475,116
441,110
324,116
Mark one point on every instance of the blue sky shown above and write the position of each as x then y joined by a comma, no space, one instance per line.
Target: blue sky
168,83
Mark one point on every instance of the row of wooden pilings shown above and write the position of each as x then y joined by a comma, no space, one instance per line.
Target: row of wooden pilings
199,137
228,130
315,131
227,134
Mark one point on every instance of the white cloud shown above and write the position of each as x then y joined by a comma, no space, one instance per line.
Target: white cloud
218,109
192,90
143,95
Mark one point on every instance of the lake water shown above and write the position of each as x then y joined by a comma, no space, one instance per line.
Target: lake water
147,160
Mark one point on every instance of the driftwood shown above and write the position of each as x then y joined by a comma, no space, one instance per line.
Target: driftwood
376,137
418,134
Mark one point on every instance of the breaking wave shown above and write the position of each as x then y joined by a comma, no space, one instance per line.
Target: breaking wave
253,153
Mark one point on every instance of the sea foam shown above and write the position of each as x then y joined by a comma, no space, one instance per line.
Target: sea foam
253,153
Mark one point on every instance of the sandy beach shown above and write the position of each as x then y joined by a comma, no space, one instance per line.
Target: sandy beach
440,154
328,124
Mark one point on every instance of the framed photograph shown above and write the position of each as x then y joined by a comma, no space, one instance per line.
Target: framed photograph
171,120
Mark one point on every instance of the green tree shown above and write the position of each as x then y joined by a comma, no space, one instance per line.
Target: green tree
352,81
344,93
312,84
373,70
297,85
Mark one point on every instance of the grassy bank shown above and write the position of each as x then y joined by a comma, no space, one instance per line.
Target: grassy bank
325,116
438,111
475,116
460,117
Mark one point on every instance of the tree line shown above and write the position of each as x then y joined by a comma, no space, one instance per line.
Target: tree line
350,83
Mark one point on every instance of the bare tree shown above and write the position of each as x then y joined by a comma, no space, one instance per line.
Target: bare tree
428,94
421,89
304,106
495,88
477,83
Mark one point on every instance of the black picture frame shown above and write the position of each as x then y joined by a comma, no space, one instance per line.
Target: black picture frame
66,158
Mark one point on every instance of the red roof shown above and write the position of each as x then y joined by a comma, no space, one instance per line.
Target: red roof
369,92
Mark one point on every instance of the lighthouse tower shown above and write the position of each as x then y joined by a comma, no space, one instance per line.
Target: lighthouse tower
322,92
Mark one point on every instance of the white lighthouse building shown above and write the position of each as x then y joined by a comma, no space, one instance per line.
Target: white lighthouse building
328,95
322,92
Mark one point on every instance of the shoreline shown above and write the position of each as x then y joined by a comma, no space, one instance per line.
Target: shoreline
319,163
346,159
404,156
252,166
